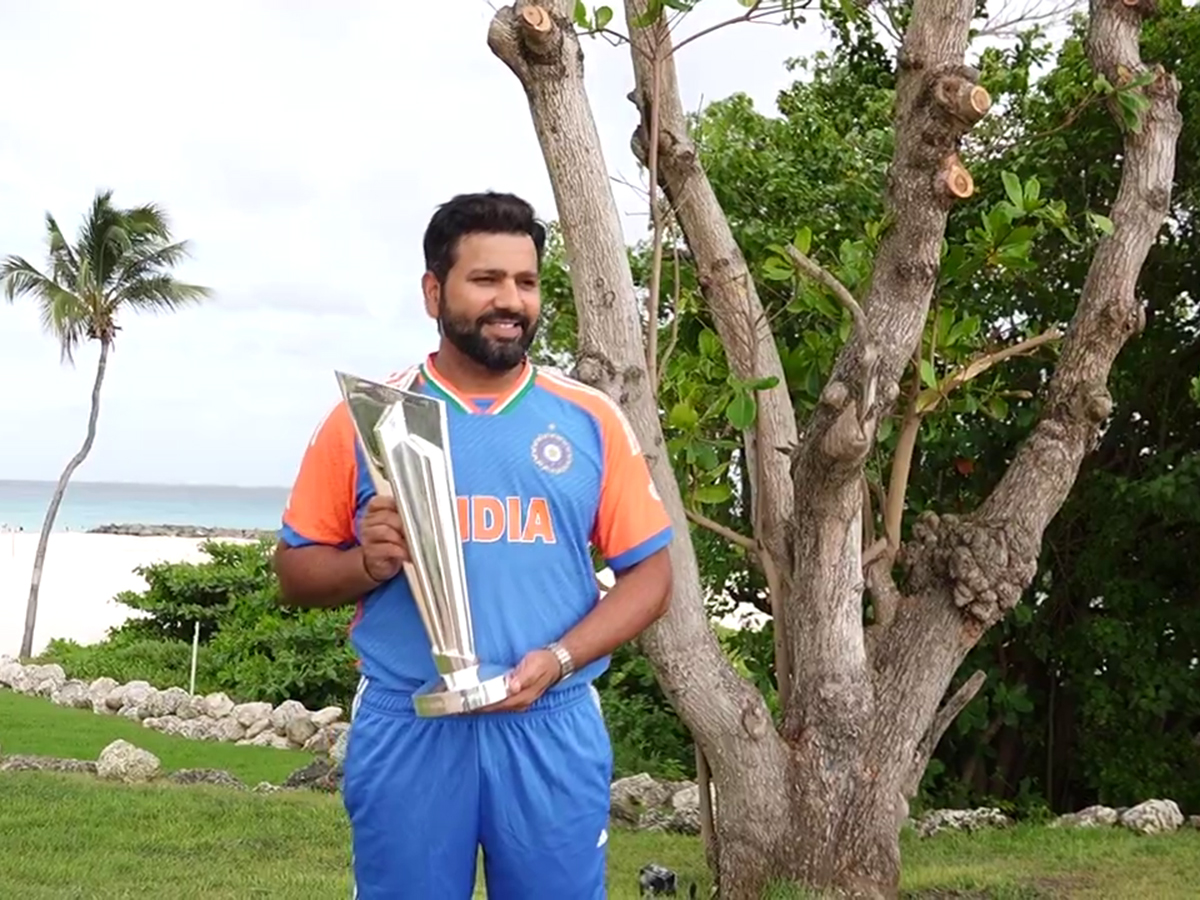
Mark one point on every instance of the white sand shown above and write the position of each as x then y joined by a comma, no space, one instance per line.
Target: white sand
83,572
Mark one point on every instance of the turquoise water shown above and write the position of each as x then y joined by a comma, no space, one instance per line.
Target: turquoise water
89,504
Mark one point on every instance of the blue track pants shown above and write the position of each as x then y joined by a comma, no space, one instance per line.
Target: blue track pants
531,788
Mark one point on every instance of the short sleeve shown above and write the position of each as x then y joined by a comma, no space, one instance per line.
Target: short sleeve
322,504
631,522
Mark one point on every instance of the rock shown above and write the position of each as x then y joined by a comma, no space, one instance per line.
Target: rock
1091,817
961,820
217,706
98,691
300,729
122,761
265,787
206,776
260,725
250,714
644,803
285,712
326,716
1153,817
318,775
322,741
73,694
338,751
162,703
187,531
43,680
10,670
228,729
25,763
1194,822
191,707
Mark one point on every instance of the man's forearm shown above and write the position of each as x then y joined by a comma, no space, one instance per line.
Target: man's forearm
321,576
637,600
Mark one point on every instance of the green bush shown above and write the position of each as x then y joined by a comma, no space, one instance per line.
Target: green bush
127,657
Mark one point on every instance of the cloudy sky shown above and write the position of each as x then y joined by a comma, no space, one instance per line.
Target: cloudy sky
301,146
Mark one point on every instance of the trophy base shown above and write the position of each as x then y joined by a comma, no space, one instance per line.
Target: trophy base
436,699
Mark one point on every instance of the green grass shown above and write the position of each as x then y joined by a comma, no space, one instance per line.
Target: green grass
71,836
36,726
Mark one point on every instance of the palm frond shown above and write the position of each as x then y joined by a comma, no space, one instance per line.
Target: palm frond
62,313
160,293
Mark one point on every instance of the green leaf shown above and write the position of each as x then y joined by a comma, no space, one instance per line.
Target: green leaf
580,15
885,430
997,407
1033,190
683,416
741,410
774,269
713,493
764,384
928,375
604,15
1101,223
1012,187
803,240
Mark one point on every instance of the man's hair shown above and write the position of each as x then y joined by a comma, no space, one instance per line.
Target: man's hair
484,213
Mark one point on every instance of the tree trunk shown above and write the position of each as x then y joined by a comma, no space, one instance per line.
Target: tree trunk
727,716
821,802
39,558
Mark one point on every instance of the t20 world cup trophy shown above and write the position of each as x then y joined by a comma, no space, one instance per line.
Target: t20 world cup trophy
406,442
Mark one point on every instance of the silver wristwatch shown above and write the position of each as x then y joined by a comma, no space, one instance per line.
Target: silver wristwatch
566,664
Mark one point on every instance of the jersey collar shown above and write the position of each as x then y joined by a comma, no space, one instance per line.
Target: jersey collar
466,402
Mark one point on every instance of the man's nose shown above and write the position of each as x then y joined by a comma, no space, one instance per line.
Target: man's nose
508,297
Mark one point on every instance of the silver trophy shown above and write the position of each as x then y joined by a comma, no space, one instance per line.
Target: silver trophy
405,441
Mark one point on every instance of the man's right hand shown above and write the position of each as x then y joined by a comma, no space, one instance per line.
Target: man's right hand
384,549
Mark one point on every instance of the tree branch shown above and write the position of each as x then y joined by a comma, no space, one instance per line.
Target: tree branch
819,274
1046,465
941,721
724,531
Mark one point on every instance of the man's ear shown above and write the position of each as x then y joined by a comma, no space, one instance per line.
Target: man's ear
433,294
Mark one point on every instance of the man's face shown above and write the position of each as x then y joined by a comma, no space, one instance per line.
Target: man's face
489,305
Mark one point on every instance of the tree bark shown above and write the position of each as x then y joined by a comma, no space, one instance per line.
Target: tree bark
39,557
727,716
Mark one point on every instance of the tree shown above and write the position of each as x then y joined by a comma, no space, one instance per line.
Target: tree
819,797
121,262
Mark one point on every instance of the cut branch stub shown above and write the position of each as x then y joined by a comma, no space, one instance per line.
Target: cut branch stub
954,180
538,31
962,99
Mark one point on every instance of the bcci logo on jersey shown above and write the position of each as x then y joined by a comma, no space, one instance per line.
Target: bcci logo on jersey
551,453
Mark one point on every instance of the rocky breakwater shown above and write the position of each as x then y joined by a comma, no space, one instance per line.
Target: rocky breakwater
211,717
184,531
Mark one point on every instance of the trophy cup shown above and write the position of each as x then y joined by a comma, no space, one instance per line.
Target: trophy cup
405,440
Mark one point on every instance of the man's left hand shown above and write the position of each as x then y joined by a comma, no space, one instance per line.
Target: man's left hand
532,677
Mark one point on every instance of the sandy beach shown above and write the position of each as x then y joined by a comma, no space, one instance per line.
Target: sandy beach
83,573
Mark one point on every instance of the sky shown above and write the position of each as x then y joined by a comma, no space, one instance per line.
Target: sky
301,147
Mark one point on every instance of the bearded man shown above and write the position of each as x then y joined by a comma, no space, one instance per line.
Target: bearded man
546,469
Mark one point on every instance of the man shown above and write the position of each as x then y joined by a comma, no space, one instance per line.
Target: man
545,469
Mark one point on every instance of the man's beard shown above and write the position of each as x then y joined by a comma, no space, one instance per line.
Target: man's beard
496,356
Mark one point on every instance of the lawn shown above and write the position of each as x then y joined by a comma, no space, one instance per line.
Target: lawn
34,725
71,836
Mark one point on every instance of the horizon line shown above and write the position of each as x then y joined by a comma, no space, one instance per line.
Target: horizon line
161,484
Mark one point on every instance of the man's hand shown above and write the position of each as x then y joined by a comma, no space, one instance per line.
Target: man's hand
532,677
385,551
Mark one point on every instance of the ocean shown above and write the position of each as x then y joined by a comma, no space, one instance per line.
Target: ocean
87,505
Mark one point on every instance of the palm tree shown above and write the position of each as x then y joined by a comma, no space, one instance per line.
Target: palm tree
121,260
